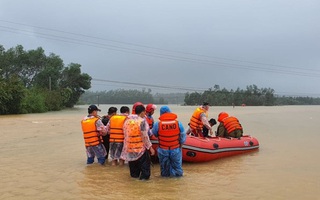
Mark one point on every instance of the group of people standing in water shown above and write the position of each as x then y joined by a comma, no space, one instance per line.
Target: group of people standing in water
127,136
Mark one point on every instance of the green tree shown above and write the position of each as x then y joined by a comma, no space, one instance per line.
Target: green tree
251,96
193,98
34,102
12,95
33,82
117,96
269,96
75,81
50,74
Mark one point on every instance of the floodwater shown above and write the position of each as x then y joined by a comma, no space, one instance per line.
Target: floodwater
43,157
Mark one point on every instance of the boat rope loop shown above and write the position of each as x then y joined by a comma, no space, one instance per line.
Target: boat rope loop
191,154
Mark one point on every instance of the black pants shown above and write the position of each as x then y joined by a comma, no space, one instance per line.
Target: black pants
106,144
205,131
141,168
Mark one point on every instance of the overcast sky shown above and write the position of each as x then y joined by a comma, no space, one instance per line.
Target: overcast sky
175,43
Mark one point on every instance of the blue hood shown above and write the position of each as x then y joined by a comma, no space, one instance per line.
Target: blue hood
164,109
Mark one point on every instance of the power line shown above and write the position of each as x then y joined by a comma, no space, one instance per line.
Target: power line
180,88
161,49
158,55
305,72
151,85
165,56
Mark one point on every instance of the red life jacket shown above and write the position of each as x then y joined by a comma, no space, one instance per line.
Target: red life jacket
169,132
231,123
150,121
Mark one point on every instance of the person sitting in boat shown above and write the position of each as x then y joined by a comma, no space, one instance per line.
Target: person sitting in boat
229,126
205,131
199,119
171,136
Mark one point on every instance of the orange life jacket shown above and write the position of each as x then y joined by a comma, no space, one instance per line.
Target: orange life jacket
116,128
195,121
134,140
231,123
150,121
169,132
90,132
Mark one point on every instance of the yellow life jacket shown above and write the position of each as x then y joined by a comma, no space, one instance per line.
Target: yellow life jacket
169,132
231,123
116,128
90,132
134,140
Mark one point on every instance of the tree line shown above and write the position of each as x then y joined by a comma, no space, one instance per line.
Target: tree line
122,96
119,96
251,96
32,82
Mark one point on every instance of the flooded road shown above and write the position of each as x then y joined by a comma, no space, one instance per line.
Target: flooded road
43,157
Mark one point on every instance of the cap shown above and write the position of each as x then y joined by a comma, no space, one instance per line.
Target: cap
164,109
92,108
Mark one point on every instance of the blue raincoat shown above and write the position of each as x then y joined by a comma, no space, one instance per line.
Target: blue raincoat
170,160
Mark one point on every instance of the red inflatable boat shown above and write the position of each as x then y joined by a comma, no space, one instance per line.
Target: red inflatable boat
197,149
